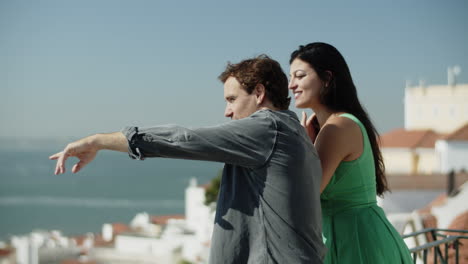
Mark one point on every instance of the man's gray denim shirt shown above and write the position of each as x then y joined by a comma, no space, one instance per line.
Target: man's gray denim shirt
268,210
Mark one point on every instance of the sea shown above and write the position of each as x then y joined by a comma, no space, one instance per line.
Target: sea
113,188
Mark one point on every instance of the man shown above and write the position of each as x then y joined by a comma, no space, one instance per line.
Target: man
268,209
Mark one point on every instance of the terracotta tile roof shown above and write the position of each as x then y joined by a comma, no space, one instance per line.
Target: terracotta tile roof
429,221
401,138
459,223
100,242
438,201
162,219
118,228
79,239
459,134
6,251
205,186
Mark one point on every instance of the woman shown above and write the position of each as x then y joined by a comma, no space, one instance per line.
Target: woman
355,228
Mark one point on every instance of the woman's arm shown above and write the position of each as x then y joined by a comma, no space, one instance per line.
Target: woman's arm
340,139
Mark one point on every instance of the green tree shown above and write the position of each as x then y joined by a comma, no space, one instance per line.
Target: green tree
211,194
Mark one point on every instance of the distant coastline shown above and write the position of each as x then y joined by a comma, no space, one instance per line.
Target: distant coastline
114,189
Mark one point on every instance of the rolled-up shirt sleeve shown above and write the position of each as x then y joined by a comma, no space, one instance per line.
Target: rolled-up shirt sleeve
247,142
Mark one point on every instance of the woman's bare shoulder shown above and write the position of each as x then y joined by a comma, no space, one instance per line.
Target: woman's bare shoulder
342,124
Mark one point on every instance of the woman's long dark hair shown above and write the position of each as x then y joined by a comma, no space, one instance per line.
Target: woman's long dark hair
340,95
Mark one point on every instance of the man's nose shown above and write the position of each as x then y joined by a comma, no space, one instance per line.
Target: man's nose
228,112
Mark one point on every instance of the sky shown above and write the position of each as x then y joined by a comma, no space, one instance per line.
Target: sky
75,68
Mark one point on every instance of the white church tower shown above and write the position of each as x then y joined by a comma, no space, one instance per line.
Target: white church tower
441,108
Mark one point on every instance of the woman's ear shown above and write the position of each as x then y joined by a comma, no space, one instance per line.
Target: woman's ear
329,78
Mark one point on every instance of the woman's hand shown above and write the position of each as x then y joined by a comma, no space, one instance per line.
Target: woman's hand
311,125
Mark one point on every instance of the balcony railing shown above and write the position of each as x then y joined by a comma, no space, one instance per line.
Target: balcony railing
438,248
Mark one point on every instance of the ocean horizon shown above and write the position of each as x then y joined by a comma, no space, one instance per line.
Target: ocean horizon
113,188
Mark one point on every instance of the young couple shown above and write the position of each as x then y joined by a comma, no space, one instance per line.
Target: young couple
288,194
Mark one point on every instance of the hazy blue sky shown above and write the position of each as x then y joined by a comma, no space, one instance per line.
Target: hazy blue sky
73,68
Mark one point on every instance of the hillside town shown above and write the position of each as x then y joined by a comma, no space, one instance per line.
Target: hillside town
146,239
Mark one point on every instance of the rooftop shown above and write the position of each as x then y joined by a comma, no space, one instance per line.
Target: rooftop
460,134
401,138
162,219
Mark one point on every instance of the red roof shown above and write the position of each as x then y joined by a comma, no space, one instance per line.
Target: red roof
438,201
118,228
401,138
6,251
162,219
460,223
459,134
205,186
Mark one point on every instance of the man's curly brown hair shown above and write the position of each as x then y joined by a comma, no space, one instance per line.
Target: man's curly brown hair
261,70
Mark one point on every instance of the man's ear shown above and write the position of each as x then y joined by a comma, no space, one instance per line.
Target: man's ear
260,93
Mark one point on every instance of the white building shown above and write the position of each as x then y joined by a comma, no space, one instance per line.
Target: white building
425,151
163,239
136,248
200,220
409,151
441,108
43,247
148,239
452,151
435,137
197,213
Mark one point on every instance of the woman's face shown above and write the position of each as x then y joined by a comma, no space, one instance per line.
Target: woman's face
305,84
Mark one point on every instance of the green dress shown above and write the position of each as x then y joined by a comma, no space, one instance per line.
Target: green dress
355,228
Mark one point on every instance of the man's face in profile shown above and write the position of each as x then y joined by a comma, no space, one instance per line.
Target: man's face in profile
239,103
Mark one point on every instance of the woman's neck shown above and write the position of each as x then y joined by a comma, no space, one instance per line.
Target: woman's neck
322,115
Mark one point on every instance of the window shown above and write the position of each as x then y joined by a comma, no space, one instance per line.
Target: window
435,111
452,112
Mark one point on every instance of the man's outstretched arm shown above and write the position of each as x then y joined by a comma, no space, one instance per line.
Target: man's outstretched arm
247,142
86,149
